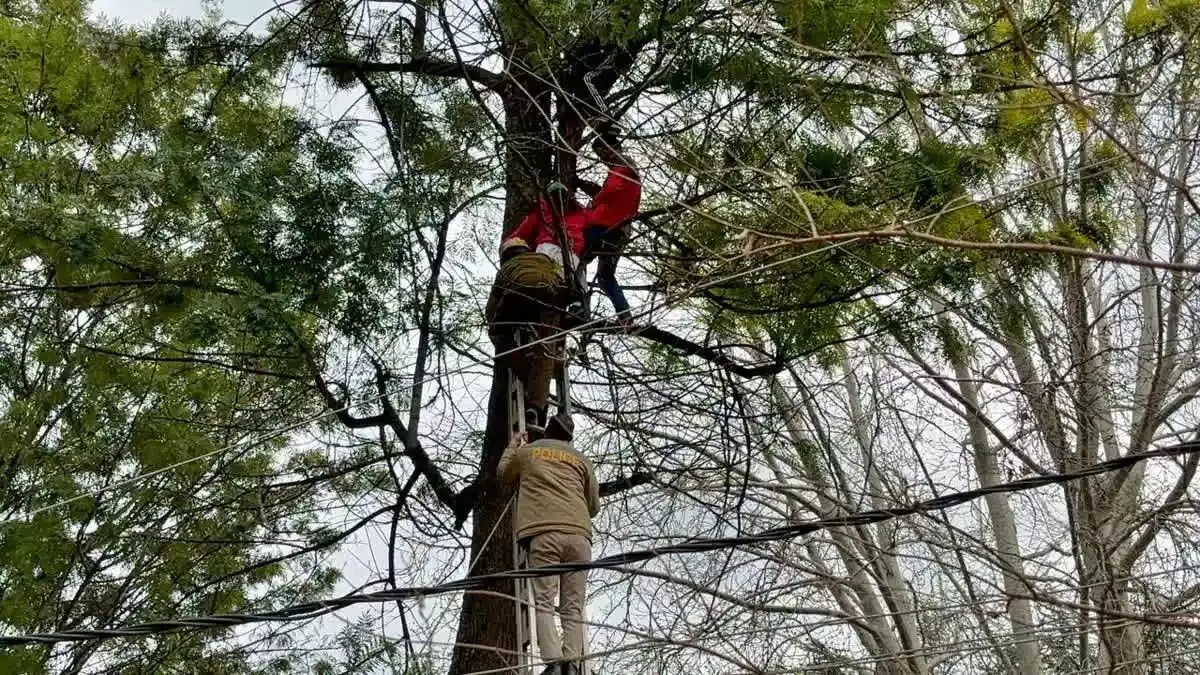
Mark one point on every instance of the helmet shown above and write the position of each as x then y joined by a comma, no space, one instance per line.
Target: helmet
560,427
512,246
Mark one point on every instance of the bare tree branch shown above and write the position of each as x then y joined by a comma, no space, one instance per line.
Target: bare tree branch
420,66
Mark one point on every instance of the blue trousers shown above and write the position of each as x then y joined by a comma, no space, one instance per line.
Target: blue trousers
606,247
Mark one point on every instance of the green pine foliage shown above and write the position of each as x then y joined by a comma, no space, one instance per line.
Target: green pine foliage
169,234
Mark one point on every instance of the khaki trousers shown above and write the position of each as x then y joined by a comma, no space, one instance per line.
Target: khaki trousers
547,549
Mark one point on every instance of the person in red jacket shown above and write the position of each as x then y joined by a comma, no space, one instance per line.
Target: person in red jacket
614,203
531,290
605,240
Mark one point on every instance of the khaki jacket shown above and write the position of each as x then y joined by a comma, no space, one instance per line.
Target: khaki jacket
557,490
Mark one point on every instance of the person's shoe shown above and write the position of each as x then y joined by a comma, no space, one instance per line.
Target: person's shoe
555,669
572,668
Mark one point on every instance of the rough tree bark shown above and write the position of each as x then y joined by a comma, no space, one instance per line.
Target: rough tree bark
487,623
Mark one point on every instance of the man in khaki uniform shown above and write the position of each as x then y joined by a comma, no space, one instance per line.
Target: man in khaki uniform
556,500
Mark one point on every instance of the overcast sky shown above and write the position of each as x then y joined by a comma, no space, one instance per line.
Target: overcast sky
137,11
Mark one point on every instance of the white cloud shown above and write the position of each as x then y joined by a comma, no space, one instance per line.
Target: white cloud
142,11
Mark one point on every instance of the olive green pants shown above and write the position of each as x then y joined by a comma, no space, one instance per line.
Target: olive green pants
526,301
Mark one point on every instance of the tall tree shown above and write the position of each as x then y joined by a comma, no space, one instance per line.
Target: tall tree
170,235
891,250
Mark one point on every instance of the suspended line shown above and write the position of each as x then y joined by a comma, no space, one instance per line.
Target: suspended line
317,608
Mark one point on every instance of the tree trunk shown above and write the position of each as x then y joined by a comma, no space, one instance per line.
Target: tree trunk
1004,530
486,637
885,644
487,623
888,573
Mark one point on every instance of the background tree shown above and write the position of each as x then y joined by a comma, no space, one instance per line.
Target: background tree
170,235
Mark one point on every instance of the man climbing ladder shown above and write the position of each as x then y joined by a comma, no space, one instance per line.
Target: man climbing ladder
557,497
523,314
532,290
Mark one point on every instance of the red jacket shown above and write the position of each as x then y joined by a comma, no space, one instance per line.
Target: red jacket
616,202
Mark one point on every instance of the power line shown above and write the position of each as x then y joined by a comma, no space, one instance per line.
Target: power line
318,608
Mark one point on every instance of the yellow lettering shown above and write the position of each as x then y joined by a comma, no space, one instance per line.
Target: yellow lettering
552,455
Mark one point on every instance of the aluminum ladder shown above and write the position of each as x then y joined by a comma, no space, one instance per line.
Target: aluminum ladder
528,660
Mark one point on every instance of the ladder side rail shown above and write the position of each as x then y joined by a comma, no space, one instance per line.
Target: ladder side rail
525,638
526,600
564,386
585,666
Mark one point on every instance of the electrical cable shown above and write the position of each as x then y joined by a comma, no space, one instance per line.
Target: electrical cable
318,608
